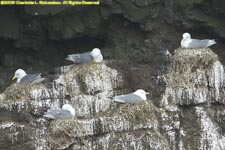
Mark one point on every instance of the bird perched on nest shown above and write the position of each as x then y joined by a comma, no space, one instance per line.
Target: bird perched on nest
138,95
93,56
66,112
23,77
188,42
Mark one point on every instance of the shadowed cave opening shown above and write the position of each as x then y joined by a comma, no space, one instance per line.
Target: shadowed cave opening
44,60
116,35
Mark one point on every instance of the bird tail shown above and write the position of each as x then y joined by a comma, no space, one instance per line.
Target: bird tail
73,57
110,97
68,58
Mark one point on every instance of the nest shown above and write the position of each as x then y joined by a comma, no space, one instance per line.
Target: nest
188,60
20,92
136,113
188,64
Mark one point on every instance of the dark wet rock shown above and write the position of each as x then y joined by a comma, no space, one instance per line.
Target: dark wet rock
203,14
10,28
44,10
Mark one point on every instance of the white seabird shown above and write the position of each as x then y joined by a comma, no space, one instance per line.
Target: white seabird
138,95
187,42
67,111
94,55
23,77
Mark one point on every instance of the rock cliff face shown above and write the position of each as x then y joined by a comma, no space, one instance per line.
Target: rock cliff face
191,105
184,111
189,116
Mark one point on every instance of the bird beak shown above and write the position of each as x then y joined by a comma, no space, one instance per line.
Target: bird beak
14,78
147,93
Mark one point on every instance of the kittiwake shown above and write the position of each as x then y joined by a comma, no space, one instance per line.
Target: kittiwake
83,58
23,77
66,112
187,42
138,95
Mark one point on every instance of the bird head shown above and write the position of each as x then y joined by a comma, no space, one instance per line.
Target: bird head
19,74
96,55
69,108
141,93
186,36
